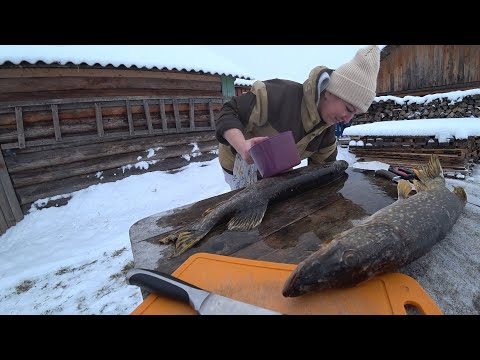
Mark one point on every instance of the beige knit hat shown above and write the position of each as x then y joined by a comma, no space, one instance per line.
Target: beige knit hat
356,81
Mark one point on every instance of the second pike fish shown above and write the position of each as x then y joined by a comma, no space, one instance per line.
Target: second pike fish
390,238
247,207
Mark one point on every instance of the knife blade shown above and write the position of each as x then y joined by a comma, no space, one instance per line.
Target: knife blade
204,302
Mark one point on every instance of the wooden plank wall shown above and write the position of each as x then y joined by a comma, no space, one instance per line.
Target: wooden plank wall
27,82
425,69
54,147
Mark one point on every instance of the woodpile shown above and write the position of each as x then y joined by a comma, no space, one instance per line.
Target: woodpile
438,109
456,156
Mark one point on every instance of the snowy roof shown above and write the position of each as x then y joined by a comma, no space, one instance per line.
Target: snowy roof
243,82
172,57
442,129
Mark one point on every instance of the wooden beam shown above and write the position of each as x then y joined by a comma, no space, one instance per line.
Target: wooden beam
58,157
98,116
20,131
49,72
77,103
5,209
56,123
9,190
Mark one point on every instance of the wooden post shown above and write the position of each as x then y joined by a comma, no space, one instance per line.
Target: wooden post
149,118
20,131
56,123
177,115
98,114
129,117
192,115
163,116
212,117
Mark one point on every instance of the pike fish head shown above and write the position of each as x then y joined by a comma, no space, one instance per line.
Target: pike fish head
329,267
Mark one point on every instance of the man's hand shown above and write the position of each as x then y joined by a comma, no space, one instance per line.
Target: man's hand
248,145
236,138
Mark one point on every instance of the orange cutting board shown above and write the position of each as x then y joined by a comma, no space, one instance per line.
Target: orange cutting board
261,282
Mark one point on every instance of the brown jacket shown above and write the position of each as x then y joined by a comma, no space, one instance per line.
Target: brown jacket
275,106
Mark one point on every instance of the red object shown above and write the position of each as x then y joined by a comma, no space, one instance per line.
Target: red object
276,154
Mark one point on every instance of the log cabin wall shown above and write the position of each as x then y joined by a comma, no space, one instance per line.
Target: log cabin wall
428,69
65,128
241,89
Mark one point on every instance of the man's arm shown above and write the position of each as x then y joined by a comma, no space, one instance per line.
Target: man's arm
231,121
234,115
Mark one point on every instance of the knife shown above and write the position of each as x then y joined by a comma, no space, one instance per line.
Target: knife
403,174
388,175
204,302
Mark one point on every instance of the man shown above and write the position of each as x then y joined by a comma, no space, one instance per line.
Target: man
310,111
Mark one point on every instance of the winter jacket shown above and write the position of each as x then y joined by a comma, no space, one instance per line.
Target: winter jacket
275,106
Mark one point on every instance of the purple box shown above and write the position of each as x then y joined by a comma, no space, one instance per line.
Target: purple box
276,154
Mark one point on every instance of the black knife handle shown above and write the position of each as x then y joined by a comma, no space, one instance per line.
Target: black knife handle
157,285
387,174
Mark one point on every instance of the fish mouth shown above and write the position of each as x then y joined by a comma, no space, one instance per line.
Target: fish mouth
289,289
293,286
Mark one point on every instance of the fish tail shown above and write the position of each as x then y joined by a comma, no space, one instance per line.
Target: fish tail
429,173
460,192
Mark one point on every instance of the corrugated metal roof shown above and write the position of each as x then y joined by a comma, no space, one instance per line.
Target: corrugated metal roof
162,57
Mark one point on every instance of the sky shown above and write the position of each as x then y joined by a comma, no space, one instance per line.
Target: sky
291,62
72,259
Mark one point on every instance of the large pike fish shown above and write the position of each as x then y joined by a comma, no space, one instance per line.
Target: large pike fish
390,238
247,207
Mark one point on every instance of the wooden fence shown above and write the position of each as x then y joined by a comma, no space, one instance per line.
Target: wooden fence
56,147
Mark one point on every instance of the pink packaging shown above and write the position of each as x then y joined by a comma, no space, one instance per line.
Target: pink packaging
276,154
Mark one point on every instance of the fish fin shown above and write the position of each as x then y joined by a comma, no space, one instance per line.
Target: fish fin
209,210
419,186
460,192
206,212
403,189
185,239
248,219
432,171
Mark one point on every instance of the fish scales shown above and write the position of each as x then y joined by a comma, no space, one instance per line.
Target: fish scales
247,207
390,238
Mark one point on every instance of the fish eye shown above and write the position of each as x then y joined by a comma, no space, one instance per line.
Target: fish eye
350,258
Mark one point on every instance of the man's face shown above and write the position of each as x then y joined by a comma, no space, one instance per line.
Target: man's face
334,110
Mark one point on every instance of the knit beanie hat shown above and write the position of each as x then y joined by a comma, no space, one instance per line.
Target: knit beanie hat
356,81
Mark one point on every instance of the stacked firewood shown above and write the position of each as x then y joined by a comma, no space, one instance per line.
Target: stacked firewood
456,156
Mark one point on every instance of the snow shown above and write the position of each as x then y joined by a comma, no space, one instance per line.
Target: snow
73,259
452,97
442,129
